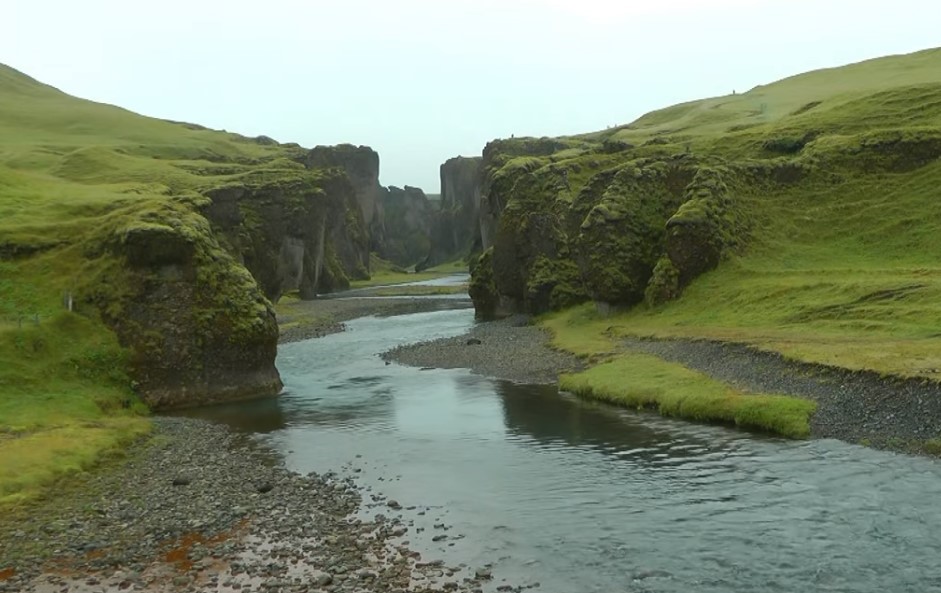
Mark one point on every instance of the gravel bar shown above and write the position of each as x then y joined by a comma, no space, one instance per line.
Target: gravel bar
511,349
854,406
200,508
324,316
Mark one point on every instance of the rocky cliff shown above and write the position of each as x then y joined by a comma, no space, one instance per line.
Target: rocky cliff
175,237
197,326
361,165
300,232
455,228
636,214
408,219
614,227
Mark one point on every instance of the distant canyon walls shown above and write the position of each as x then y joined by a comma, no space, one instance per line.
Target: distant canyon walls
397,221
456,227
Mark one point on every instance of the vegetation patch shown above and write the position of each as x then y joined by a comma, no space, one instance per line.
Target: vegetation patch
642,381
65,402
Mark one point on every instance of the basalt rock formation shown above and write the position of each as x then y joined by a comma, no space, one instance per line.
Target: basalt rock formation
455,229
361,165
562,231
301,232
636,214
198,328
408,220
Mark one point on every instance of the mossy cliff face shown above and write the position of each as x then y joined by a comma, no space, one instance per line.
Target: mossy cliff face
408,216
455,228
361,165
298,231
197,326
174,236
578,221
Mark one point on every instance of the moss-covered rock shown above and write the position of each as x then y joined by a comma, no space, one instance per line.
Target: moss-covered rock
482,289
282,226
360,164
196,325
702,227
621,237
554,284
664,285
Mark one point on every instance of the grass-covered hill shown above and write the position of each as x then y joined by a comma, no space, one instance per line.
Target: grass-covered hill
170,241
802,216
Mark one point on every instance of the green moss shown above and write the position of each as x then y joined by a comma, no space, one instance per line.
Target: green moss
664,285
554,284
642,381
482,289
620,238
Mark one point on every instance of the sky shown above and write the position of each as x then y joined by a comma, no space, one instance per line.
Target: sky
422,81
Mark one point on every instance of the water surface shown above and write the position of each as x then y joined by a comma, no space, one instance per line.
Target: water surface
583,497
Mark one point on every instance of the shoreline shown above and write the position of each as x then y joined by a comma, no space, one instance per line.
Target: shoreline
510,349
199,508
859,407
303,320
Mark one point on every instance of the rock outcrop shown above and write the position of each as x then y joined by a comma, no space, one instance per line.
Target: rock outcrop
301,232
408,220
455,230
197,326
361,165
598,225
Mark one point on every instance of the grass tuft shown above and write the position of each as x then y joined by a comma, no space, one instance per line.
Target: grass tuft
643,381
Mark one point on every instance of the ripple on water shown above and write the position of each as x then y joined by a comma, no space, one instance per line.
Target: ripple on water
584,497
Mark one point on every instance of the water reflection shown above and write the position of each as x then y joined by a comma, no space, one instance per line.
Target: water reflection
555,419
256,416
584,497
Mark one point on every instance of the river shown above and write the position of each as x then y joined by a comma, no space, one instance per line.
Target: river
583,497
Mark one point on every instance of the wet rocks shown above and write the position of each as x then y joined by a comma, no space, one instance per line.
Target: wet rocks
131,526
852,406
304,320
509,349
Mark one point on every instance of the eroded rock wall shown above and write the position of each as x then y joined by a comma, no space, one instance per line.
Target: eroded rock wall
299,232
609,228
455,229
408,215
361,165
187,285
198,328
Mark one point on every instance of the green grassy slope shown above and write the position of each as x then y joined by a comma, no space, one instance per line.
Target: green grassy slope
841,263
842,268
883,93
831,232
71,172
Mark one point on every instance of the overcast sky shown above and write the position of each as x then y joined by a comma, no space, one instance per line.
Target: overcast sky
424,80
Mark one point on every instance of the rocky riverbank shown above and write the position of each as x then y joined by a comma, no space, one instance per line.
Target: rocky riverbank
511,349
853,406
302,320
199,508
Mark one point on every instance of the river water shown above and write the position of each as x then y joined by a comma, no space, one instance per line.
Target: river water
582,497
